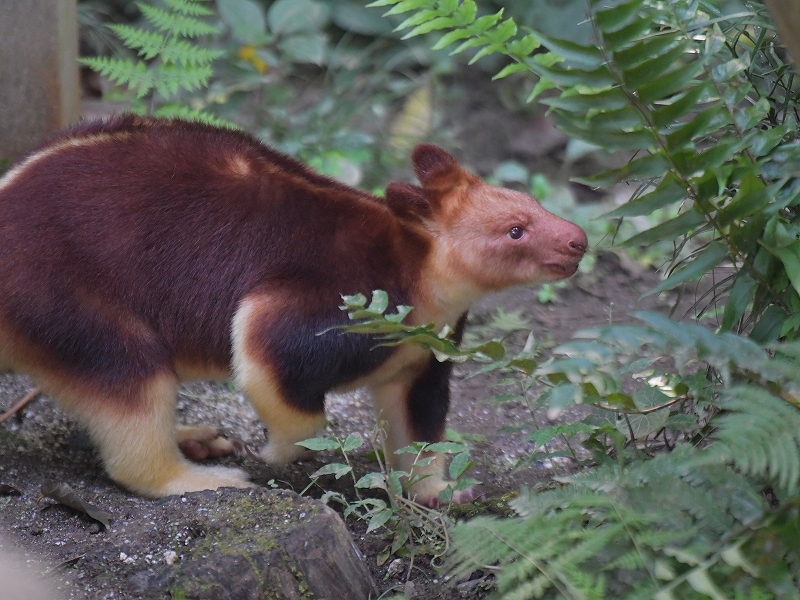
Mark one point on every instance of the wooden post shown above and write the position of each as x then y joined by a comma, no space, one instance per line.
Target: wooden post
39,80
786,18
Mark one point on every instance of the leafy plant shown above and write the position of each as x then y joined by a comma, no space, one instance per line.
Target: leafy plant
169,62
373,320
695,485
324,80
414,529
293,29
706,107
689,522
695,440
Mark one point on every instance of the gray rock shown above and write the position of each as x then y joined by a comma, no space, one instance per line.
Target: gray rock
237,545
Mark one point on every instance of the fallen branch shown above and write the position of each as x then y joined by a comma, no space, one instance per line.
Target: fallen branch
18,406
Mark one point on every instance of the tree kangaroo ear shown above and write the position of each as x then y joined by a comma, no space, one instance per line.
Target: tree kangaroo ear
408,201
435,168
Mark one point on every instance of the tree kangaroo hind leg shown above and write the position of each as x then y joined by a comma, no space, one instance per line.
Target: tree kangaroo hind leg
137,442
416,411
288,421
113,372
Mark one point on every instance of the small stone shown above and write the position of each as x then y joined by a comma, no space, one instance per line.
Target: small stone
395,567
170,556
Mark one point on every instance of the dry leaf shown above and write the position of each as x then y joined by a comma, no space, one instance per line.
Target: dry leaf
64,494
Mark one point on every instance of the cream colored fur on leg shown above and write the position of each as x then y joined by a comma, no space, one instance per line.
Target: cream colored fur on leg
286,425
139,445
390,407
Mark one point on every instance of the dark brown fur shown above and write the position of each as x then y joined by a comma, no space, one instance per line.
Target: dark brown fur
130,246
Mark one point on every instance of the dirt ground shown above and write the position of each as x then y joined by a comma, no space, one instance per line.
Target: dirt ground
42,444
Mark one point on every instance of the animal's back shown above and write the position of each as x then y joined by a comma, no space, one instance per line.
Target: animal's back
166,226
138,252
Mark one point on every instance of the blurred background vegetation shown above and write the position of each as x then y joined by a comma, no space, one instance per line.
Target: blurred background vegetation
332,82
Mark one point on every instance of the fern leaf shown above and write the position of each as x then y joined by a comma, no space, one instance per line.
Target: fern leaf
180,111
658,539
762,434
589,546
123,72
168,22
191,8
172,78
186,54
148,43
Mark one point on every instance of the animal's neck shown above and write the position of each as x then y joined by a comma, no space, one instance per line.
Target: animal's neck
444,299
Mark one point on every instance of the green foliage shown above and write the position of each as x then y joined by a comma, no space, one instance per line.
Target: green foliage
707,108
293,28
392,331
322,80
414,529
695,441
692,522
695,485
168,62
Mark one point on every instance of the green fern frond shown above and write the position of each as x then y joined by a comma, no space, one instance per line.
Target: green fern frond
151,44
586,584
123,72
175,24
191,8
183,112
170,64
173,78
762,435
184,53
147,43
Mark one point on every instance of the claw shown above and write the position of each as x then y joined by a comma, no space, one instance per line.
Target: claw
459,497
199,443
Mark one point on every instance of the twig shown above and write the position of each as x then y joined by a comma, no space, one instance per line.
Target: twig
587,291
62,566
643,411
633,437
18,406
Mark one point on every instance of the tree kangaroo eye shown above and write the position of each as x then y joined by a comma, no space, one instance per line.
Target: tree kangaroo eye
516,232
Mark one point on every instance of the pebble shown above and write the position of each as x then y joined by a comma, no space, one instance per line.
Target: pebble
395,567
